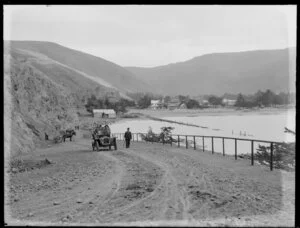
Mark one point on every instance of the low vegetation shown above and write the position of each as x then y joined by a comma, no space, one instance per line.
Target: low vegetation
259,99
267,98
98,103
283,156
163,137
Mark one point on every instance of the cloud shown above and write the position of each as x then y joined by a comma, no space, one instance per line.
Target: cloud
154,35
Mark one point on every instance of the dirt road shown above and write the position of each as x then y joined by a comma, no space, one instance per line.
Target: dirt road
147,184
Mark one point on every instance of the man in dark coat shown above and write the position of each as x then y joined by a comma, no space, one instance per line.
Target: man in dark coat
127,137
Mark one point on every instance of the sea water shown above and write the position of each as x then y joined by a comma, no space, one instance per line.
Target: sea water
251,125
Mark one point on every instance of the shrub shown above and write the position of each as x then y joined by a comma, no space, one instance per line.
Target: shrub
283,155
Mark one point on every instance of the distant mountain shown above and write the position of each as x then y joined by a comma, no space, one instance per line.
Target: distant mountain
84,65
220,73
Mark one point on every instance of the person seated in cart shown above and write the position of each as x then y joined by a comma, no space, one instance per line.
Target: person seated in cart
106,130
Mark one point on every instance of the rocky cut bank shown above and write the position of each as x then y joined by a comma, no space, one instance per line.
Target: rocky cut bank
33,103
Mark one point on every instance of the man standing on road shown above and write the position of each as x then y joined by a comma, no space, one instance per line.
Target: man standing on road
127,137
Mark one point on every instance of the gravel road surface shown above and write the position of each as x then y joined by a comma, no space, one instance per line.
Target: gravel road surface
147,184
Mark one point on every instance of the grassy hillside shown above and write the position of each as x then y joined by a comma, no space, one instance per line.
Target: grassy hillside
107,73
219,73
34,105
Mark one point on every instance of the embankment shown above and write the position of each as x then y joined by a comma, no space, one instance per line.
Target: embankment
33,104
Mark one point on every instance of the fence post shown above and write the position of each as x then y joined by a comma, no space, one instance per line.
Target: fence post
186,142
133,137
235,149
137,137
203,142
252,153
223,146
178,141
171,140
212,145
271,158
194,143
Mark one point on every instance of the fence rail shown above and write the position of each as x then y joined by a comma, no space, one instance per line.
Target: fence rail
138,137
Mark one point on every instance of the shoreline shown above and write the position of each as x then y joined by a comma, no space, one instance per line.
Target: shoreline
207,112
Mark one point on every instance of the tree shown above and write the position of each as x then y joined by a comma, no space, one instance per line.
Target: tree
268,98
214,100
240,101
119,106
258,97
284,97
165,134
106,103
144,102
91,104
192,104
278,100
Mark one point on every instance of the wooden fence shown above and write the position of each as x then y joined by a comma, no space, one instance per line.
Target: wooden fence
137,137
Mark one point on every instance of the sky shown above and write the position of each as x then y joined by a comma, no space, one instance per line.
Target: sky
154,35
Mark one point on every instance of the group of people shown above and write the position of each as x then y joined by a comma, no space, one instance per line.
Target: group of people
102,130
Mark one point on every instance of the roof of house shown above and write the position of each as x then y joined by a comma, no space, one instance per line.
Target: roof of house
225,99
155,101
107,111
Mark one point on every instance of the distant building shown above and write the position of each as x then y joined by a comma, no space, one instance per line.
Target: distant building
156,104
174,103
182,106
228,102
104,113
204,102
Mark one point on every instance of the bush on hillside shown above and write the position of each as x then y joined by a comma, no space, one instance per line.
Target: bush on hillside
283,155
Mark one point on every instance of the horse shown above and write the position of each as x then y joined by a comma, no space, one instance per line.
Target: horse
68,134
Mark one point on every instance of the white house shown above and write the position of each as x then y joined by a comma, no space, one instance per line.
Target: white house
173,103
204,102
228,102
104,113
156,104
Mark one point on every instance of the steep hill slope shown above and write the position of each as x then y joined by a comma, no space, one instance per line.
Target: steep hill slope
104,72
45,83
34,104
219,73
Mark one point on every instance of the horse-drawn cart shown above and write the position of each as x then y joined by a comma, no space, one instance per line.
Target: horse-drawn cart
101,138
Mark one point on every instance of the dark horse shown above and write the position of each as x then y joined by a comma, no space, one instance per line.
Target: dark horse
68,134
